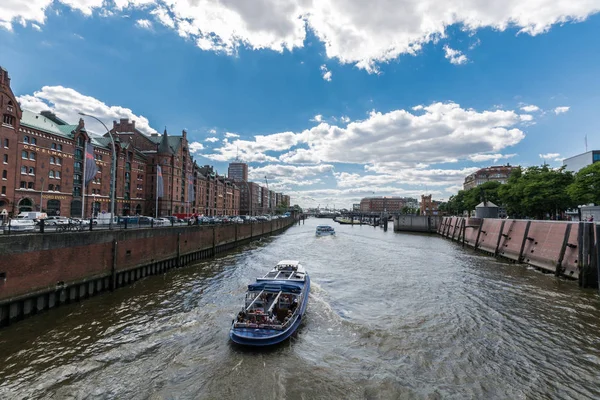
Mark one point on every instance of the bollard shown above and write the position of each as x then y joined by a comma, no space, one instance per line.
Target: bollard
91,223
42,224
126,219
152,223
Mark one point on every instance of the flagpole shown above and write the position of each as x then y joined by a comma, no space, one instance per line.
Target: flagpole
156,207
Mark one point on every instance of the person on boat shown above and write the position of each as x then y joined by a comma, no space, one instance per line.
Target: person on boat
241,316
294,305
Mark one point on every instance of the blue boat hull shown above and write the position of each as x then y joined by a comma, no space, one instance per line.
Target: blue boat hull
269,337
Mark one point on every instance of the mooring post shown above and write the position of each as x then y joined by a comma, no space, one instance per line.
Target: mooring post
178,262
524,241
214,244
500,237
598,254
464,231
580,252
559,268
113,284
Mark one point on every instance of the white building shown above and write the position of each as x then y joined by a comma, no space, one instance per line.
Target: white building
575,163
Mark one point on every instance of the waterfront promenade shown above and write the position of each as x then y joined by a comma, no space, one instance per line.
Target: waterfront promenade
390,315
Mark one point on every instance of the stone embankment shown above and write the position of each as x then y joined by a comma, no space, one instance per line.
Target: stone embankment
566,249
42,271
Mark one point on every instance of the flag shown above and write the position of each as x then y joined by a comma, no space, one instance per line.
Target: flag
159,182
90,164
191,191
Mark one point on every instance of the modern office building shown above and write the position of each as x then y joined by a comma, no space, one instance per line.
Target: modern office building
575,163
238,171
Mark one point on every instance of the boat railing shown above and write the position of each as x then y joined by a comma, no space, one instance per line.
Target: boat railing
254,301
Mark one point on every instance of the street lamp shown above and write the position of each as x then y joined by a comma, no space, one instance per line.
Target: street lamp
113,170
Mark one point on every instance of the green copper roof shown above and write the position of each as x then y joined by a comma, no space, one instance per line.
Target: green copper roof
173,141
39,122
67,129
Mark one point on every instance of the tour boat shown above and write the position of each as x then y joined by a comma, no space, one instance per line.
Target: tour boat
325,230
274,306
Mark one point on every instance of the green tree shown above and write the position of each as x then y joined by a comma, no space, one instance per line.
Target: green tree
536,191
585,188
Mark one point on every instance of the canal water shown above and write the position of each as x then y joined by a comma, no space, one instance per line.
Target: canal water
390,316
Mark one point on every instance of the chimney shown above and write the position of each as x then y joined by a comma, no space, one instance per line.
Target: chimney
133,125
184,134
115,125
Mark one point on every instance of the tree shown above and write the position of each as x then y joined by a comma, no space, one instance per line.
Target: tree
585,189
537,191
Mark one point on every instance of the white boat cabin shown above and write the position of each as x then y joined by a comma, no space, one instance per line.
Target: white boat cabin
286,270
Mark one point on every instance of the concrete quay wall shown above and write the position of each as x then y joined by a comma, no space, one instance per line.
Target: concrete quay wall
567,249
416,223
42,271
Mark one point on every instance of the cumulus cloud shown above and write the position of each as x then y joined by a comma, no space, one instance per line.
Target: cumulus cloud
144,24
352,31
490,157
530,108
551,157
456,57
293,172
345,119
326,73
195,147
317,118
561,110
231,135
211,139
67,102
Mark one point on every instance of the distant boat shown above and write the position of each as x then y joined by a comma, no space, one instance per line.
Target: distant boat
324,230
274,306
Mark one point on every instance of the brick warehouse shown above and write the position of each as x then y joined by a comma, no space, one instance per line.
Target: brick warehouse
43,158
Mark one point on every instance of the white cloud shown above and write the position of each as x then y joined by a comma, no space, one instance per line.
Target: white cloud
66,103
292,172
561,110
36,27
195,147
530,108
551,157
231,135
444,132
526,117
162,14
212,131
326,73
456,57
490,157
211,139
144,24
317,118
345,119
352,31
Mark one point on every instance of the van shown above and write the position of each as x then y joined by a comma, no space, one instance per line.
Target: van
33,215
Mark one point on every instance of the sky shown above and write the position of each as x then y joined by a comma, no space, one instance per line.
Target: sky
328,101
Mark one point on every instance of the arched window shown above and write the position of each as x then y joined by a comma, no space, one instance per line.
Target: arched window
60,147
29,185
53,207
58,160
51,174
80,141
25,205
50,187
57,188
23,185
25,139
31,171
24,155
53,146
23,169
57,174
33,141
52,160
32,156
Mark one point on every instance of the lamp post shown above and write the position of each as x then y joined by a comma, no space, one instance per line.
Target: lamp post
113,170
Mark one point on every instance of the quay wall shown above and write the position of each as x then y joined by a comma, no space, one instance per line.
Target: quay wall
416,223
42,271
567,249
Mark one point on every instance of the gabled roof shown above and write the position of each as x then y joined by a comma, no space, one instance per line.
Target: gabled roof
488,204
41,123
167,144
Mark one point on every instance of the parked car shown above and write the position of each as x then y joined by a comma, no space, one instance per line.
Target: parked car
56,220
20,224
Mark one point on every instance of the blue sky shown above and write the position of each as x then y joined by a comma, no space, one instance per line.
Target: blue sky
331,100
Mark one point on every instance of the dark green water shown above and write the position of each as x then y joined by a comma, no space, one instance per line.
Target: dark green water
390,316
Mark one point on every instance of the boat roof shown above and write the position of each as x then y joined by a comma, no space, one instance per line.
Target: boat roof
277,286
291,263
